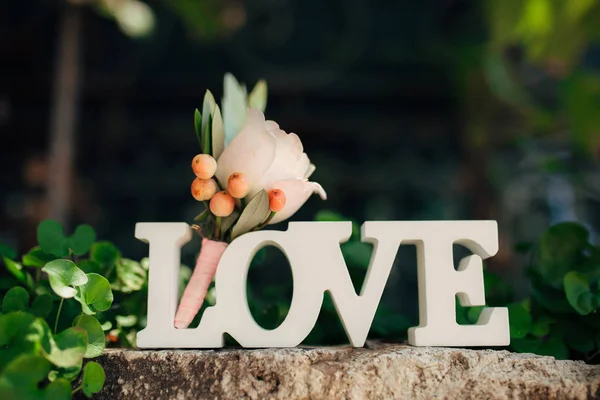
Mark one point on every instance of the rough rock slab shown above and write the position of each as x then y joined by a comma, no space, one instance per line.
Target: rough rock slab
379,371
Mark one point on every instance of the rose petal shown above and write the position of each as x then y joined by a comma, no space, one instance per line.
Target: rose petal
251,152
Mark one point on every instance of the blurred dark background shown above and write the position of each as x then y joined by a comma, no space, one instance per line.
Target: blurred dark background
411,110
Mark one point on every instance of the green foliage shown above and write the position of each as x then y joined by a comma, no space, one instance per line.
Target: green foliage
77,299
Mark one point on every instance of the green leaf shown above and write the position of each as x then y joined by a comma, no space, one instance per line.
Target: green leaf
255,213
551,299
69,374
42,305
60,389
22,333
552,346
473,313
218,134
51,238
95,294
541,326
577,289
208,107
580,337
17,271
198,126
258,96
131,274
105,253
64,275
126,321
561,249
227,222
16,299
7,251
82,239
206,137
96,341
519,319
357,253
22,376
37,258
68,348
90,266
93,378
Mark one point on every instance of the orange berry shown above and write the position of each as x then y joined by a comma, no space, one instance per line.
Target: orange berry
276,200
222,204
204,189
237,185
204,166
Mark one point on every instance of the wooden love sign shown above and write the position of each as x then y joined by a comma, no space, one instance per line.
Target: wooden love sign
317,264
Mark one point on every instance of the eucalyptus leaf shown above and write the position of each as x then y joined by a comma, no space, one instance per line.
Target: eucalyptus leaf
16,299
60,389
68,348
227,222
131,274
21,378
255,213
82,240
37,258
519,319
93,378
42,305
22,333
64,276
96,341
95,295
105,253
51,238
577,289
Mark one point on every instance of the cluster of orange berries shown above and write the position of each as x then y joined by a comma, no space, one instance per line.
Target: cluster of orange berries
222,203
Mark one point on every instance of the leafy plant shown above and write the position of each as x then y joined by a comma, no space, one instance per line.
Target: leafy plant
65,300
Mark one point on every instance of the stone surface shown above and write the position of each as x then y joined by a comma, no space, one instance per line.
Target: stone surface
378,371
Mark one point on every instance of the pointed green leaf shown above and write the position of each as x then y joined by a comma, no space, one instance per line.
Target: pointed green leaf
198,126
93,378
208,107
64,275
42,305
52,239
37,258
16,299
82,239
218,134
258,96
68,348
234,107
255,213
206,137
227,222
96,341
95,295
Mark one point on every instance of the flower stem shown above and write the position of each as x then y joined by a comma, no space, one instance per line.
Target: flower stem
77,389
217,227
58,314
266,222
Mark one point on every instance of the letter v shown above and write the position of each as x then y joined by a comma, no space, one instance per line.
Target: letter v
357,311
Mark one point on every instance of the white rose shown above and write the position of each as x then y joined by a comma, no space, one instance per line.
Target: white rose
271,159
